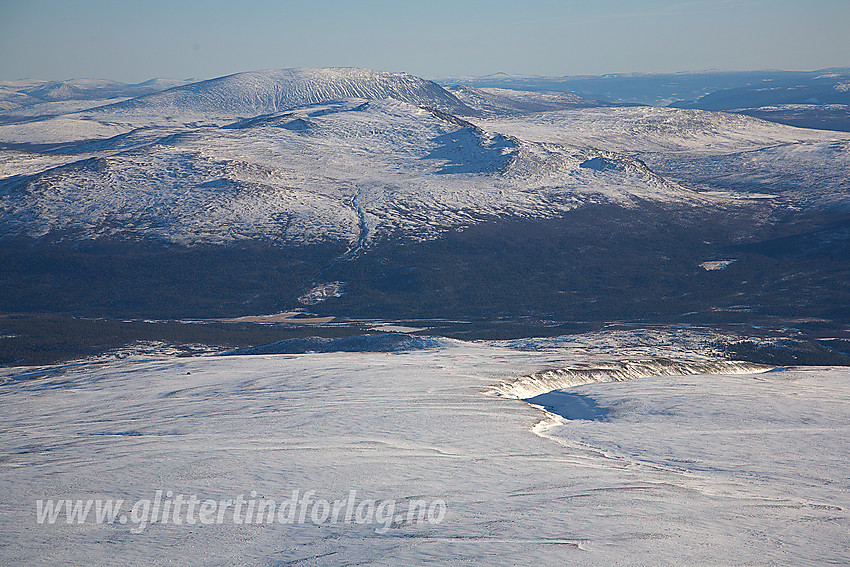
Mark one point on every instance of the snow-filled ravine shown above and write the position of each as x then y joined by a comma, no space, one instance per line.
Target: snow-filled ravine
732,464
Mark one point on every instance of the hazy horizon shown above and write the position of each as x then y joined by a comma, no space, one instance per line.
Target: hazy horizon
132,43
440,77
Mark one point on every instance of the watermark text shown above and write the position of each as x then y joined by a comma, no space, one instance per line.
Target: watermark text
299,508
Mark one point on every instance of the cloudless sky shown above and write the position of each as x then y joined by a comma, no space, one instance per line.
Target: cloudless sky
132,41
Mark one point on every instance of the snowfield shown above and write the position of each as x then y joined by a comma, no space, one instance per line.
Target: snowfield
709,469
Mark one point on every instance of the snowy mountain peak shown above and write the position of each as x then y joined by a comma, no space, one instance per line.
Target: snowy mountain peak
274,90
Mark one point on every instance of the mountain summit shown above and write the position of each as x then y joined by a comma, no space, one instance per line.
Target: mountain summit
274,90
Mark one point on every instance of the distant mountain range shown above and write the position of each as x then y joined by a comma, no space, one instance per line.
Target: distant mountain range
28,92
815,99
662,89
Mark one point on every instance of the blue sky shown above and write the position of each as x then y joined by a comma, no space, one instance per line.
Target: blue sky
133,41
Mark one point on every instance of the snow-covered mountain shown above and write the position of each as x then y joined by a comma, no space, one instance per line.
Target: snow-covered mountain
219,101
263,92
351,170
298,168
28,93
366,181
709,90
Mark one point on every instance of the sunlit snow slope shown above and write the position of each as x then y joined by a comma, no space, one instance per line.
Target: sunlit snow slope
350,170
735,469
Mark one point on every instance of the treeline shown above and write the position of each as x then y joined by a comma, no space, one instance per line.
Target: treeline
46,339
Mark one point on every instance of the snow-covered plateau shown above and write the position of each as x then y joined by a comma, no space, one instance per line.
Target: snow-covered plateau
661,456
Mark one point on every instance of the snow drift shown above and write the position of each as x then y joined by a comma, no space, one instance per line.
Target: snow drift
541,382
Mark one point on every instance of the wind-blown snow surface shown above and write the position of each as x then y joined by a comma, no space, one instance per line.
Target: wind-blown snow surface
735,469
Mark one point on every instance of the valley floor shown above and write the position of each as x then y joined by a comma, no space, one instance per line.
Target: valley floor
679,470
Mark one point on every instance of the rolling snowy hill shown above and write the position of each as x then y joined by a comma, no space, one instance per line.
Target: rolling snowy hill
707,150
